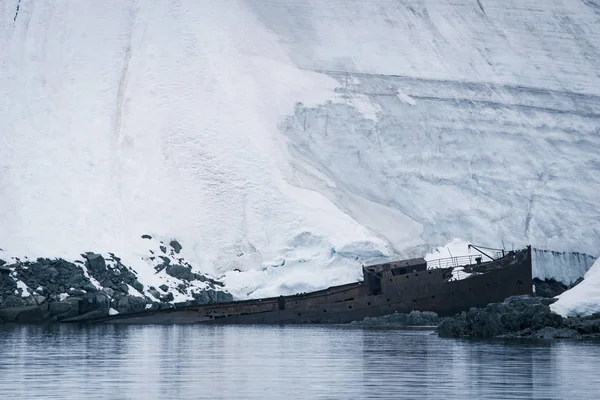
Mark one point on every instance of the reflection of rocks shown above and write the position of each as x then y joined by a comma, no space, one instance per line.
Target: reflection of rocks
519,316
398,320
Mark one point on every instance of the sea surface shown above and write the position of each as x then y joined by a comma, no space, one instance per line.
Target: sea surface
286,362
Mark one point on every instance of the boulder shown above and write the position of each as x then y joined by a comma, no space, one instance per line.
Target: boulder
155,293
89,287
137,286
68,308
175,245
96,263
97,301
164,288
146,237
180,272
127,304
548,287
25,315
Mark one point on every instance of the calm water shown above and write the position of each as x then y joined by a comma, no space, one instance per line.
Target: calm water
193,362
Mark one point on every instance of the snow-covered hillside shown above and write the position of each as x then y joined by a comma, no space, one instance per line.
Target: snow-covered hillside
284,142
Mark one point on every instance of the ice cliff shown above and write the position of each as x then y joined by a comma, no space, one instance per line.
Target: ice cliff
285,142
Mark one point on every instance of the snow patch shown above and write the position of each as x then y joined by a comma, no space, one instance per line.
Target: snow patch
583,299
24,289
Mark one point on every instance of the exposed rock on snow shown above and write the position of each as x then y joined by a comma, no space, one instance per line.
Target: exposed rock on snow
66,290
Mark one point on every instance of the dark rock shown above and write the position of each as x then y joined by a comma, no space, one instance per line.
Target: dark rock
164,288
69,308
556,333
2,262
131,304
513,315
137,286
548,287
89,287
11,301
123,288
180,272
96,263
25,315
211,296
93,302
77,281
146,237
166,260
176,246
168,297
163,249
154,293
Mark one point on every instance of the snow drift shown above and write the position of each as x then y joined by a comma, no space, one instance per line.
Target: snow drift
283,143
583,299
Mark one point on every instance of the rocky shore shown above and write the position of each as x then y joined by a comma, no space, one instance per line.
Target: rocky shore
56,290
519,317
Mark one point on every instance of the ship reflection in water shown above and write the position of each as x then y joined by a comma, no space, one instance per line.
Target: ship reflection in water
293,362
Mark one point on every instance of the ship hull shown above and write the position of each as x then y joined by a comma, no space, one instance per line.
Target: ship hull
426,290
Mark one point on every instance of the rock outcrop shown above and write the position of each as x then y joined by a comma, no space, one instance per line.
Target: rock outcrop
522,317
55,290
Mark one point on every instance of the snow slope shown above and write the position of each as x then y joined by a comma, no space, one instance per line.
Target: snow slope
583,299
285,142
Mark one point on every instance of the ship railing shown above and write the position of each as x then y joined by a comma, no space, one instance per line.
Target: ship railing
457,264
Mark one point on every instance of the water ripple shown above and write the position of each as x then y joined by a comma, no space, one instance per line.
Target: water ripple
195,362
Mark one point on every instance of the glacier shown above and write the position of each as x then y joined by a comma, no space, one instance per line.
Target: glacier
284,143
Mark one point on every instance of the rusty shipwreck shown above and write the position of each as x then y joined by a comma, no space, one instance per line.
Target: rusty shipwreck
445,286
